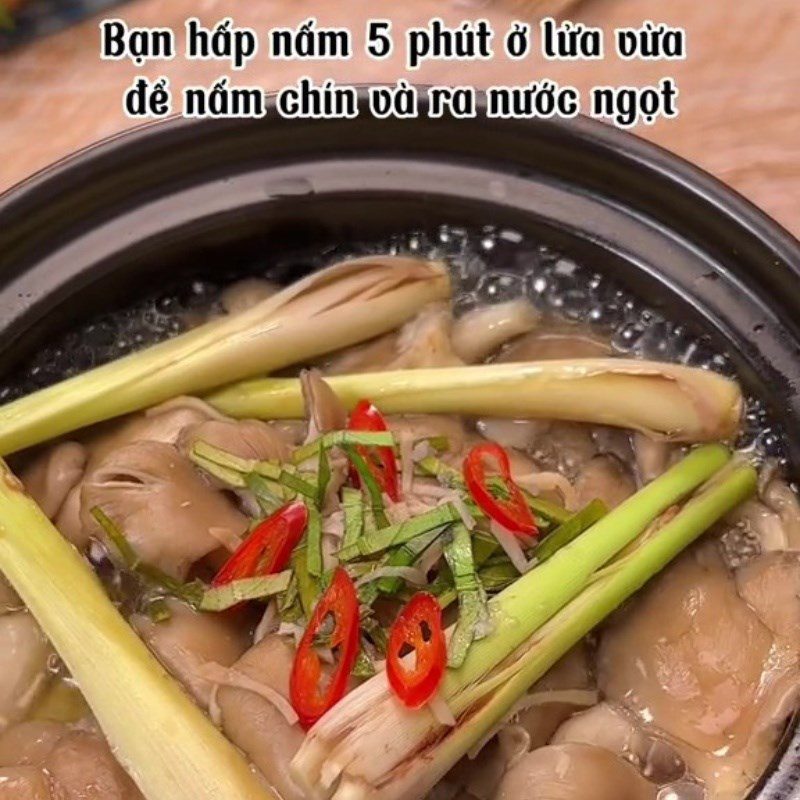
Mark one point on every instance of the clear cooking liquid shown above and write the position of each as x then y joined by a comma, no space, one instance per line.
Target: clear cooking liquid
488,265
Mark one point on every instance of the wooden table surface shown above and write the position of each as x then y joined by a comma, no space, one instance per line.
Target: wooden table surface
740,86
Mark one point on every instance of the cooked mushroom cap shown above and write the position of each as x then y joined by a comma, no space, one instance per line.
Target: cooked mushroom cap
161,503
606,478
24,654
24,783
247,438
480,331
82,767
254,725
553,343
9,600
700,654
189,639
50,477
570,771
29,743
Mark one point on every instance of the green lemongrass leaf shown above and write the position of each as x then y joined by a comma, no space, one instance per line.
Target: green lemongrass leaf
353,506
472,611
664,401
314,542
569,530
308,587
220,598
405,556
413,761
323,477
395,535
266,492
333,308
192,592
6,20
136,703
370,484
297,484
340,439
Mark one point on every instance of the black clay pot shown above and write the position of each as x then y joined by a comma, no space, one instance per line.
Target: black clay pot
182,198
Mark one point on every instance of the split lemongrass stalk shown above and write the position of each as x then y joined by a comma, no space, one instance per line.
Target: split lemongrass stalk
665,401
161,738
336,307
509,682
340,749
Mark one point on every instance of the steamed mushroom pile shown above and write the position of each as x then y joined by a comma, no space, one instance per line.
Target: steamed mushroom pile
685,689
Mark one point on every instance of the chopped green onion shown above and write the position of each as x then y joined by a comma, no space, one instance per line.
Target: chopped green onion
569,530
353,506
402,532
342,439
473,613
220,598
498,574
314,542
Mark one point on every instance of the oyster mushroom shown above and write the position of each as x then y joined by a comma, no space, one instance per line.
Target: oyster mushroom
82,767
24,783
324,410
569,771
162,505
480,331
708,669
9,601
254,724
190,639
29,743
52,474
247,438
604,477
555,342
24,658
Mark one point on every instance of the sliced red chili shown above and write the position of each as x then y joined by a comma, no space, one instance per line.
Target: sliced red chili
380,460
309,690
418,628
268,548
511,511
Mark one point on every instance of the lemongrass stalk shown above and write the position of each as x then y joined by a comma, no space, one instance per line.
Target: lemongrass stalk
515,615
161,738
664,401
556,637
334,308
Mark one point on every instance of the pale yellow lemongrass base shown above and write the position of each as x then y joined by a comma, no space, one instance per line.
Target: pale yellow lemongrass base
665,401
162,739
343,305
